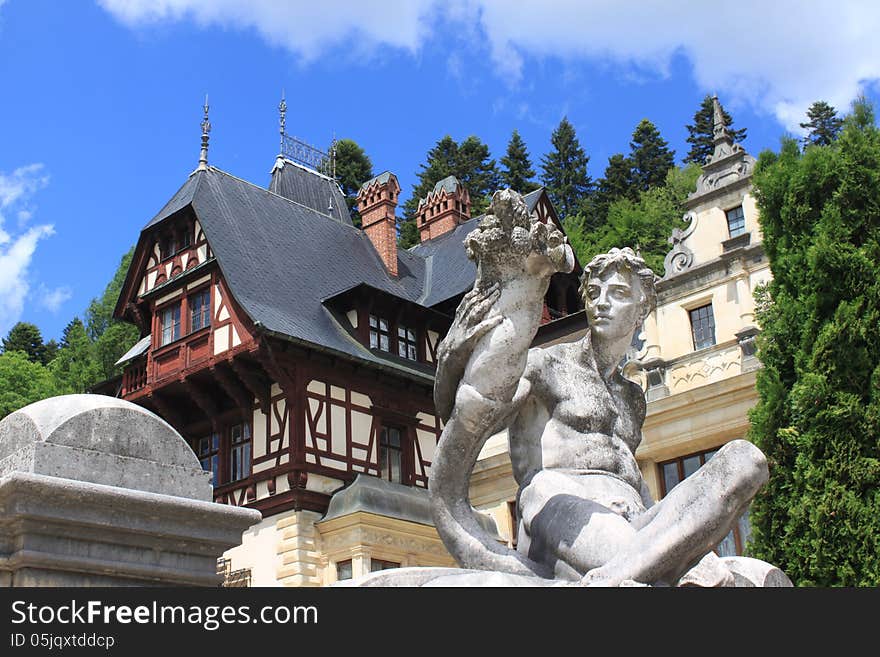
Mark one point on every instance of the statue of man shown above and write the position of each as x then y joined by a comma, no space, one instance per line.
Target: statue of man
574,424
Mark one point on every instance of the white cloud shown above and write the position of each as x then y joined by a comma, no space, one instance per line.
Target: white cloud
304,28
17,248
776,56
52,300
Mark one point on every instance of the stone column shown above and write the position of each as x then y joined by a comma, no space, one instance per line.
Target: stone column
299,555
96,491
746,301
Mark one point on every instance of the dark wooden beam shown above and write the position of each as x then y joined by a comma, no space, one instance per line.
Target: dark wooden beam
203,400
253,381
232,386
166,410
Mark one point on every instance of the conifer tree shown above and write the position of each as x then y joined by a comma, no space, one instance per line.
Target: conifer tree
650,156
564,173
353,169
818,415
468,161
27,337
823,125
700,132
517,172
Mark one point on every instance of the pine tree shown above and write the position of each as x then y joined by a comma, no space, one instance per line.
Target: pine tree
617,183
823,126
468,161
76,367
700,132
353,169
517,173
650,156
26,337
818,415
565,171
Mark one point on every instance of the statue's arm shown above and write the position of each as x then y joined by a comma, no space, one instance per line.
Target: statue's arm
455,350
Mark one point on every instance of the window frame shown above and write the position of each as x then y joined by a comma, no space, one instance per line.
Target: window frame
710,326
410,344
740,218
241,447
170,307
205,310
211,454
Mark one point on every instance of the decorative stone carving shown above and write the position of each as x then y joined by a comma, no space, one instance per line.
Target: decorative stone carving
96,491
574,423
680,257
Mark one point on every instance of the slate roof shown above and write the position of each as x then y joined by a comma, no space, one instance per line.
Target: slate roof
310,188
283,260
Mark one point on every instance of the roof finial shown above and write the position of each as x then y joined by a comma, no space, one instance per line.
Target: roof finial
333,157
206,129
282,110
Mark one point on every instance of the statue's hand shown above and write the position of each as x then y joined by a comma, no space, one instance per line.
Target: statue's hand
470,324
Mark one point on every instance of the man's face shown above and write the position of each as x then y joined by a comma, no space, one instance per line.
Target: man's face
614,304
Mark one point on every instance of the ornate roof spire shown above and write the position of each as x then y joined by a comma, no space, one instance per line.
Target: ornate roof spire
282,111
721,137
206,129
719,129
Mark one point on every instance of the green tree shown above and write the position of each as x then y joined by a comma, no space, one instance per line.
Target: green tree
823,125
818,415
353,169
468,161
76,366
517,172
23,382
564,173
110,337
700,132
643,225
26,337
650,156
617,183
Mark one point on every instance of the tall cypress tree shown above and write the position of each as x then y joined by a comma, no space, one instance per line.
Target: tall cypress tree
818,415
650,155
517,172
823,125
565,170
700,132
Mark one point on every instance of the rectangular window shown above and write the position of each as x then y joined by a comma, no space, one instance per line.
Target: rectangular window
391,455
380,564
170,324
209,456
167,247
736,221
380,334
343,569
185,238
675,471
703,326
240,451
406,343
199,310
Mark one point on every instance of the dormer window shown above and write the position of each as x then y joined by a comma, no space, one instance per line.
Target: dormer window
199,310
167,247
380,334
407,347
736,221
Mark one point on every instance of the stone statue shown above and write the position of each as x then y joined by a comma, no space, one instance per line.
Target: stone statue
574,424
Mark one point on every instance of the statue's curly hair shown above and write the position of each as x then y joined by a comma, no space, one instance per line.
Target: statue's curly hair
627,260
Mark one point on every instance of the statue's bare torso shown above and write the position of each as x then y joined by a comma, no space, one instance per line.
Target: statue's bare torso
573,420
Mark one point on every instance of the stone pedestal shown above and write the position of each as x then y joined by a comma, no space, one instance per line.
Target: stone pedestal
95,491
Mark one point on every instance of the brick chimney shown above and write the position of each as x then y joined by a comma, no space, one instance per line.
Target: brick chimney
444,208
377,202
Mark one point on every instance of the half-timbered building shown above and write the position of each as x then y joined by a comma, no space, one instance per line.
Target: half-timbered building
295,353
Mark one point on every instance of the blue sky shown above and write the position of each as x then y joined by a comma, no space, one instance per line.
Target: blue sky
100,102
